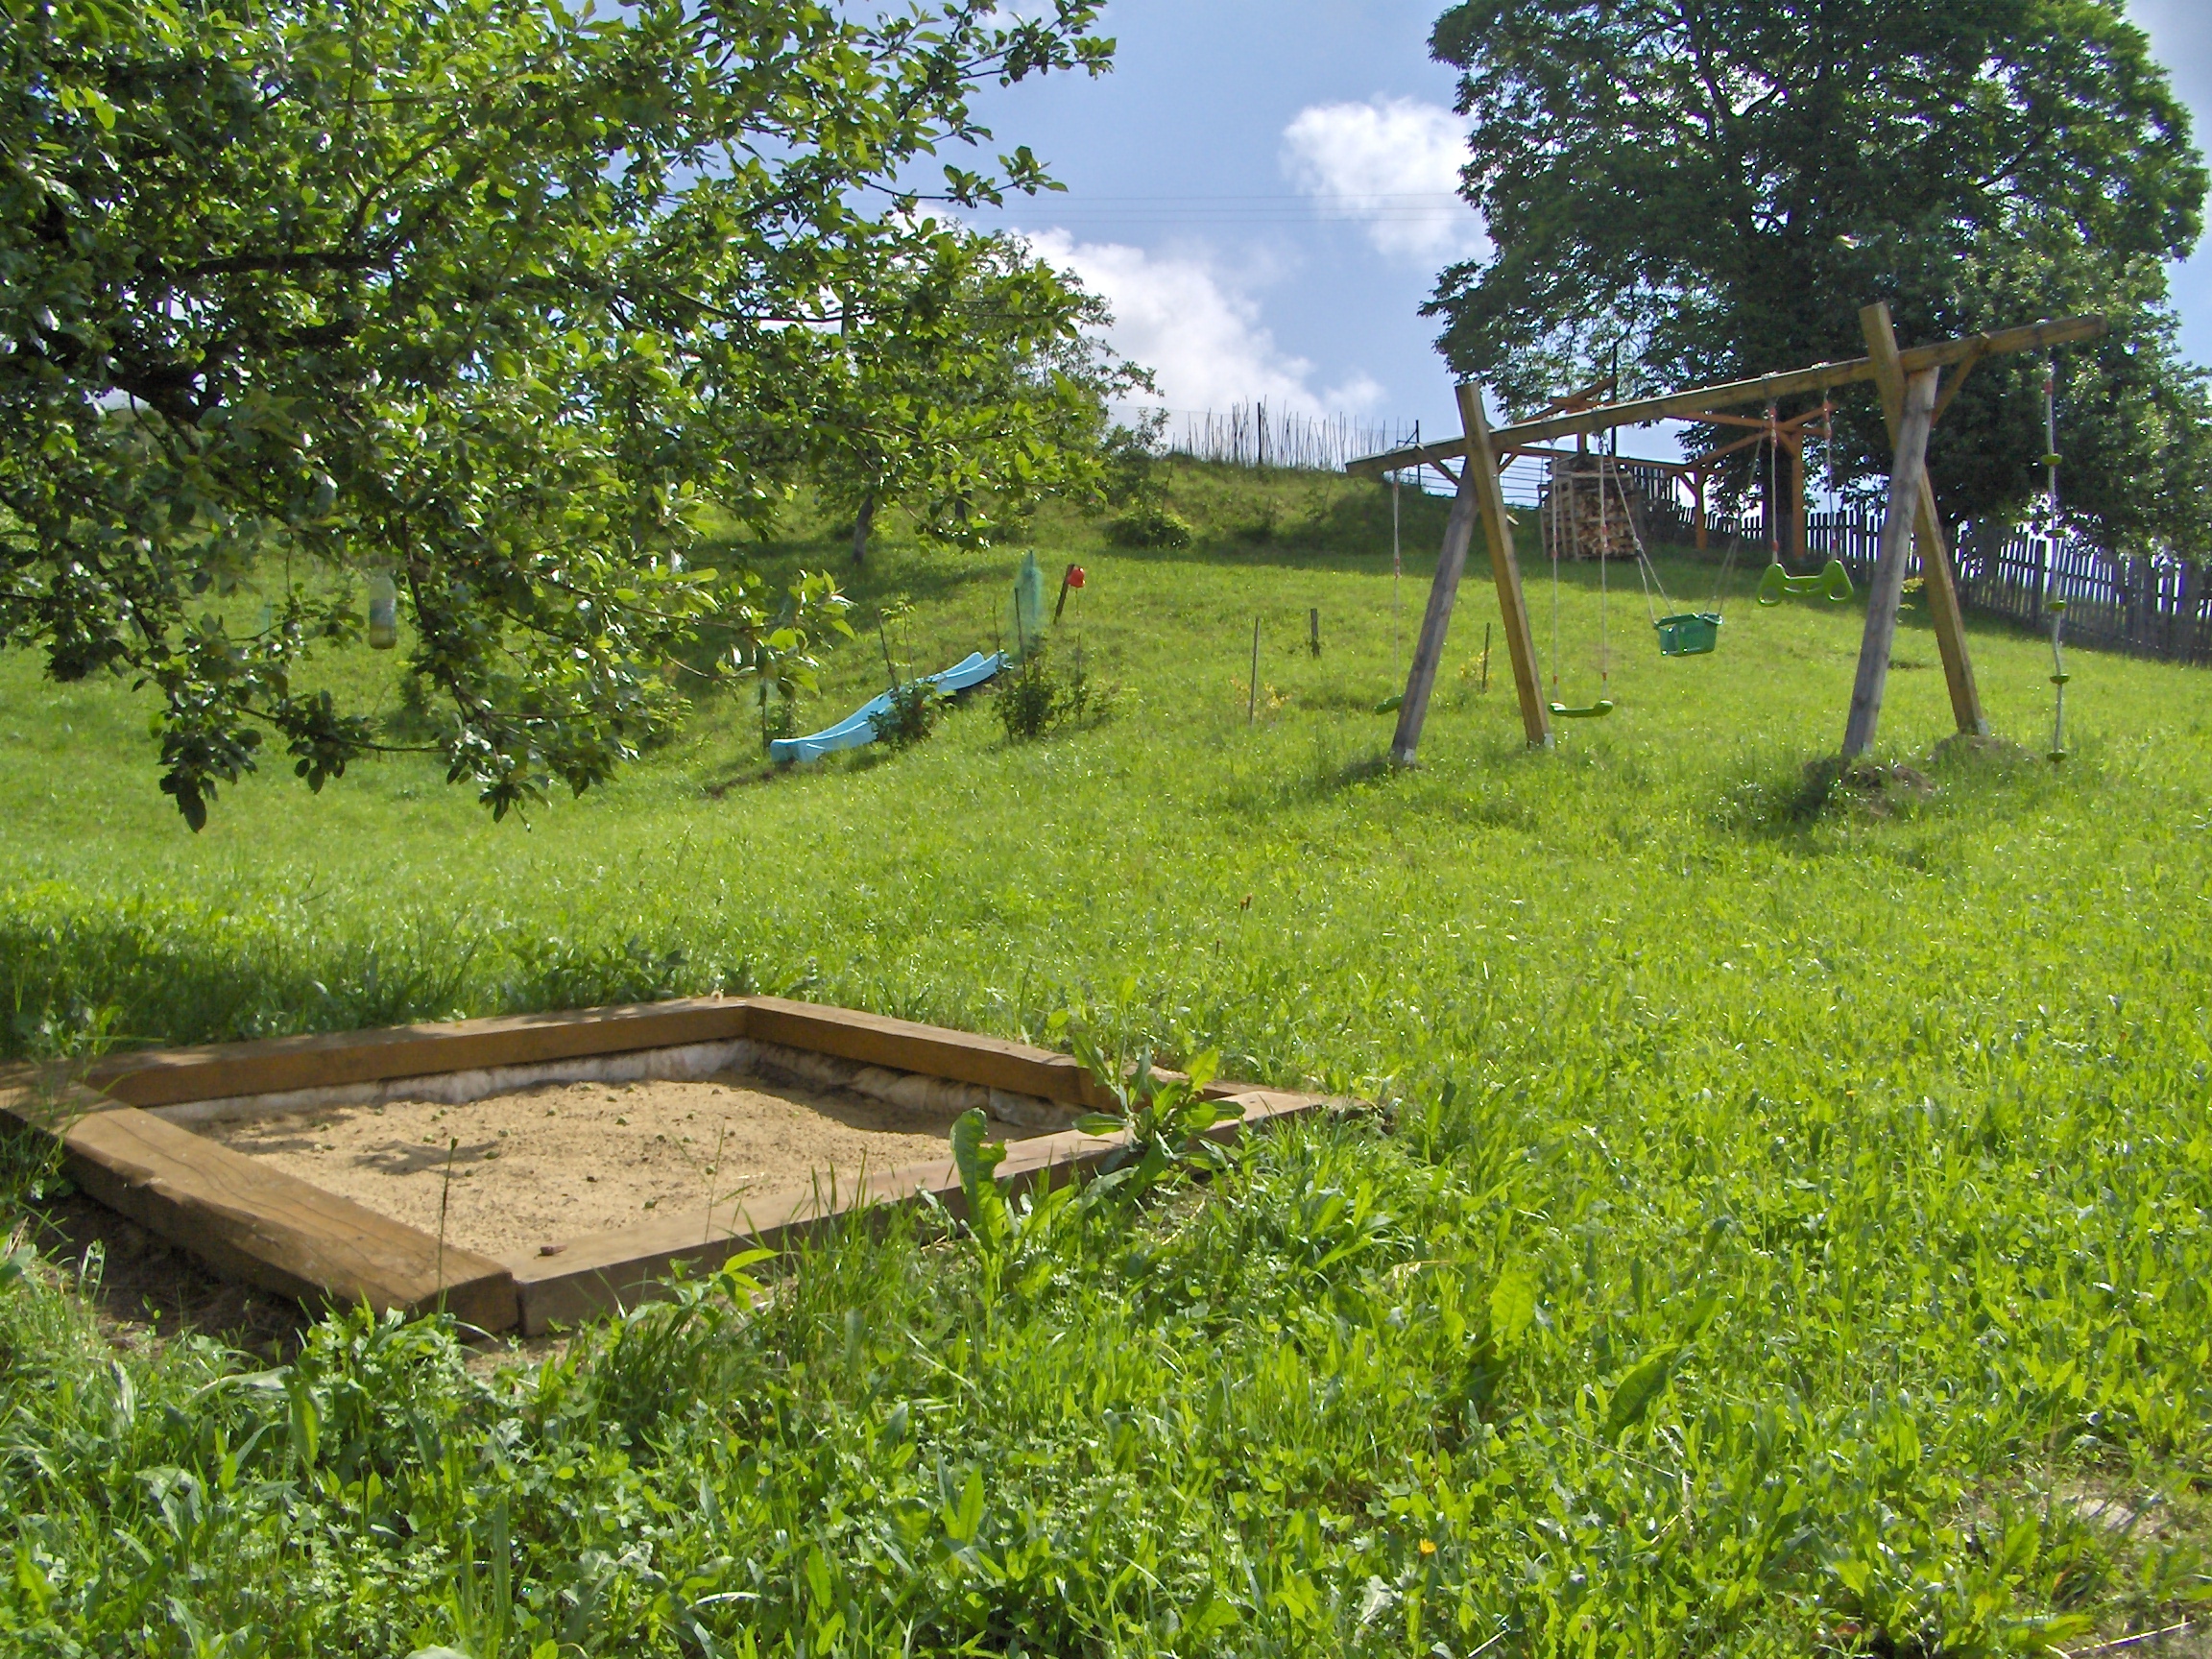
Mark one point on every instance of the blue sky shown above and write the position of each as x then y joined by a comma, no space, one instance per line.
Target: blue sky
1263,193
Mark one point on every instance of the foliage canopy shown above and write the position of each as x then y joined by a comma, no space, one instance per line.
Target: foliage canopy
1722,187
484,294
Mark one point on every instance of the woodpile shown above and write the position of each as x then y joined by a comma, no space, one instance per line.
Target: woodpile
1585,521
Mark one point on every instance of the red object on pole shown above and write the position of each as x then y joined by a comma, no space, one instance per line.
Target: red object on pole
1071,577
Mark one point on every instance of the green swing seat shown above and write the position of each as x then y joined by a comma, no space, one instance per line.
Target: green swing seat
1689,633
1596,710
1832,584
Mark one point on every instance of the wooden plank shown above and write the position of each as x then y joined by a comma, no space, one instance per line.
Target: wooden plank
254,1222
1938,579
1907,475
164,1077
47,1099
172,1076
1821,377
606,1271
933,1050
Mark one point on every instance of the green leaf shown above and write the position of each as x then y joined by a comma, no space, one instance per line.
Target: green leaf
964,1520
1512,1306
1637,1390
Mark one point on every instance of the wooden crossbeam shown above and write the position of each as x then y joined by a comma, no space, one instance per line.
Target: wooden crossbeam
1821,377
1581,398
1432,456
1794,427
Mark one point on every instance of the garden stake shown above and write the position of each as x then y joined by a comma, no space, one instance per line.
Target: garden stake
889,668
1313,630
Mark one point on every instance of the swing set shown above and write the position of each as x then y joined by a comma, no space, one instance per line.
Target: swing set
1914,393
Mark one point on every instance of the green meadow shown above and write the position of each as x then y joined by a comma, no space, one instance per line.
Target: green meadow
1783,1224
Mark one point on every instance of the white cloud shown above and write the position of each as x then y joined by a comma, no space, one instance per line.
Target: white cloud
1393,166
1199,330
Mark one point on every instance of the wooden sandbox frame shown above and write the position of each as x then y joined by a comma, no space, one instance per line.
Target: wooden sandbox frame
253,1222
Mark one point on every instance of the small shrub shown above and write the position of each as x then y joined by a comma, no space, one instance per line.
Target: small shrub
1027,702
916,706
1149,525
1037,697
1264,525
779,715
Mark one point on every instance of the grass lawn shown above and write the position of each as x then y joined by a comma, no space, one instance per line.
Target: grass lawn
1784,1226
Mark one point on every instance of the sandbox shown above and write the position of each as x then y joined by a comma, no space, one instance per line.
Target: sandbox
523,1174
526,1171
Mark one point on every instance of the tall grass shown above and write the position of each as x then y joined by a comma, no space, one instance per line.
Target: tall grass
1783,1226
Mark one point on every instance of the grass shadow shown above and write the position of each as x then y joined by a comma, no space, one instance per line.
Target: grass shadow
1961,775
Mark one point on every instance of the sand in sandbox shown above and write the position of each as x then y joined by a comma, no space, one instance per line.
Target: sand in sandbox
547,1164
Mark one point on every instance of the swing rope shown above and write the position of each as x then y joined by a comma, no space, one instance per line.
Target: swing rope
1397,629
1555,539
1773,484
1391,703
1605,561
1604,704
1682,632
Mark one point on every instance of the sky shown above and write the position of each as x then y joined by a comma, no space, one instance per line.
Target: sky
1264,192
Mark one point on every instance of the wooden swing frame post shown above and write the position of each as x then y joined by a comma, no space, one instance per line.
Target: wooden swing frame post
1479,495
1908,475
1912,518
1940,581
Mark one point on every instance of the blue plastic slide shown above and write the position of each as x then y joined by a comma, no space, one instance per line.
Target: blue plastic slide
859,725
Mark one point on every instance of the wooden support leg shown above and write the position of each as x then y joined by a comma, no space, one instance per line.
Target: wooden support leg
1907,475
1941,583
1505,572
1939,577
1698,506
1479,496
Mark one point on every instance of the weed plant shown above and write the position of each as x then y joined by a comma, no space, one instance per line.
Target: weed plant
911,714
1783,1226
1039,696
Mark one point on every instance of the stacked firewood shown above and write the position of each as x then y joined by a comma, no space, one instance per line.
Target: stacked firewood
1582,520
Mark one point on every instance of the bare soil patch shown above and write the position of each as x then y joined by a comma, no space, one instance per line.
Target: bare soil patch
523,1173
142,1289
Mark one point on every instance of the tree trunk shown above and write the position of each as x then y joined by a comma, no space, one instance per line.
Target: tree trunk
861,526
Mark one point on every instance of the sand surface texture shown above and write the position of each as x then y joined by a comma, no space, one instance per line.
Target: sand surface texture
543,1166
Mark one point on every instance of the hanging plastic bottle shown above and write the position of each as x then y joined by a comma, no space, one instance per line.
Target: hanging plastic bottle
1026,607
383,610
